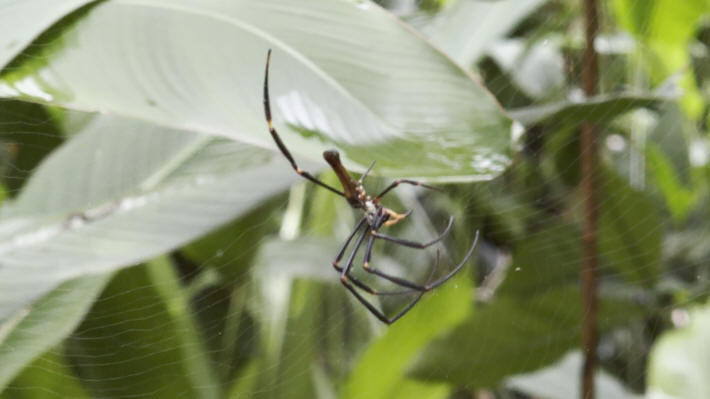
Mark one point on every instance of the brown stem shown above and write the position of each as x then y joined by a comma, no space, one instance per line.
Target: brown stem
590,161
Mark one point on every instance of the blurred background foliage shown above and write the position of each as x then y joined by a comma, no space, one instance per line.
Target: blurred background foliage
152,244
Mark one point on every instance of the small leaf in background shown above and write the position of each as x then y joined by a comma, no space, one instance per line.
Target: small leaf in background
630,231
680,361
679,199
568,114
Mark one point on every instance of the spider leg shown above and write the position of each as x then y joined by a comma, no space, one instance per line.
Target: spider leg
364,175
345,278
390,320
430,286
404,181
414,302
396,280
277,139
353,279
414,244
405,283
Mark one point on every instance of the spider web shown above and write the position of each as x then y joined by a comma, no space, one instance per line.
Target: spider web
253,309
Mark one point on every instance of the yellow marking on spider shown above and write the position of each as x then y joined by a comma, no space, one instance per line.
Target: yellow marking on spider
395,217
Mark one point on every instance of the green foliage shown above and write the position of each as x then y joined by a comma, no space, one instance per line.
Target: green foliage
150,245
630,231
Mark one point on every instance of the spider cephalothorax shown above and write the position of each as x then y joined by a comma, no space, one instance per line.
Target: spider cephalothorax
375,215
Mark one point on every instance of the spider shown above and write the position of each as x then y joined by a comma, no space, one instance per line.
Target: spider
375,215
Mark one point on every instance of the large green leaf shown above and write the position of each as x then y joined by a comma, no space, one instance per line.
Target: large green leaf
680,361
22,21
120,192
534,319
344,74
630,231
43,325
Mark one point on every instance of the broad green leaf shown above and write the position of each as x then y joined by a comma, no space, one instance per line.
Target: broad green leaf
665,28
667,33
546,259
130,345
362,81
512,336
41,326
147,190
507,337
598,109
533,320
630,231
680,360
380,371
466,29
561,380
22,21
47,377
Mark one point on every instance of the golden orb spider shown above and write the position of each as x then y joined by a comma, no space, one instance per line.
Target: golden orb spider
375,215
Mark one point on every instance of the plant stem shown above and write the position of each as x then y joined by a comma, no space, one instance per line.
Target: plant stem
590,162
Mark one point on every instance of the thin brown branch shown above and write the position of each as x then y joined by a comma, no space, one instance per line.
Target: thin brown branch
590,162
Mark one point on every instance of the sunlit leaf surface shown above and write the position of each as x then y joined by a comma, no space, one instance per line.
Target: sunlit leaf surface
379,92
